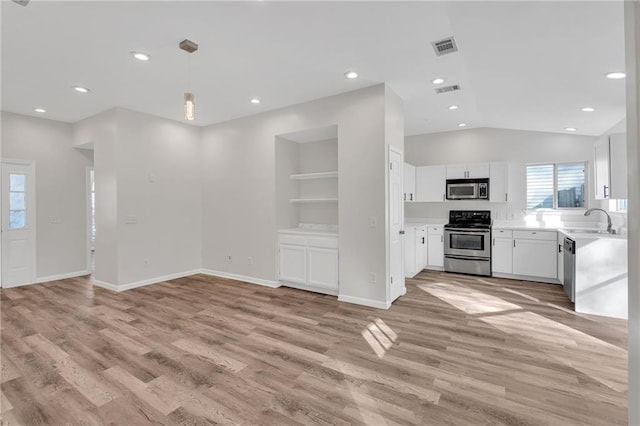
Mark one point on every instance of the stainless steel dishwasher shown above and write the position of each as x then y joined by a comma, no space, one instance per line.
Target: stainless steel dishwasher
570,268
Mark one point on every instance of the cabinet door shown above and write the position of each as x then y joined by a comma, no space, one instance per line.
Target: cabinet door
419,252
618,165
409,182
436,250
560,252
502,255
430,183
498,187
456,171
478,170
409,253
425,250
293,263
323,267
535,258
601,168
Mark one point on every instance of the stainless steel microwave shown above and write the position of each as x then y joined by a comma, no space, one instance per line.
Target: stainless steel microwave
468,189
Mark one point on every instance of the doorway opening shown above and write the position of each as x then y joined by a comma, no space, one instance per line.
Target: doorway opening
91,219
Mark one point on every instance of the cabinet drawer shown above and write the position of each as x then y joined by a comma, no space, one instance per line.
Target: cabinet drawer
435,230
323,242
502,233
536,235
297,240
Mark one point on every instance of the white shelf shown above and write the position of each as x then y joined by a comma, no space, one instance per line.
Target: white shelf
319,175
313,200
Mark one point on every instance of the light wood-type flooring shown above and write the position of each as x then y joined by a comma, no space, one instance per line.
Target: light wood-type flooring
456,350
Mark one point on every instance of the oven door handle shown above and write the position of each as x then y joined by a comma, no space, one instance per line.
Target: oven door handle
465,231
487,259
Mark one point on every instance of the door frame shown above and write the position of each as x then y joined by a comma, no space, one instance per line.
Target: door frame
31,185
88,170
399,151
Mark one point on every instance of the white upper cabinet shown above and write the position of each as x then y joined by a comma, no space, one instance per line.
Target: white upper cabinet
468,171
409,182
499,182
618,165
610,167
601,168
431,183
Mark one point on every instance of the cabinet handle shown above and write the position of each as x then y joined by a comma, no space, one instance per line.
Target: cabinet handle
405,196
443,197
422,240
506,196
494,241
605,191
410,197
514,243
559,248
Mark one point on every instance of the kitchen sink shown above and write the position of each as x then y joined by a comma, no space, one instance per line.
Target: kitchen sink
585,231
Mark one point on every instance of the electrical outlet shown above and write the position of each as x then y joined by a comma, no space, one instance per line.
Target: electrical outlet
372,277
228,258
131,220
249,260
373,222
54,220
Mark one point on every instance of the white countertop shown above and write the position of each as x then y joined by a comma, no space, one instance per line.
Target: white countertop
417,222
315,231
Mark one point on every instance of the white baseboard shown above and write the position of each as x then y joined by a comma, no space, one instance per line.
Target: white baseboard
136,284
41,280
364,302
61,276
252,280
105,285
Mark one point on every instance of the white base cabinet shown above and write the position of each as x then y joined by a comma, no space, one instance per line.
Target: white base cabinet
502,252
309,262
435,247
529,255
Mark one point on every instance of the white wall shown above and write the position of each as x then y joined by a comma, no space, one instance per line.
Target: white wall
159,182
487,144
632,44
61,248
239,211
148,168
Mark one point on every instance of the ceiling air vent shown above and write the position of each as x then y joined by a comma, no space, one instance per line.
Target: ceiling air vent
445,46
448,89
21,2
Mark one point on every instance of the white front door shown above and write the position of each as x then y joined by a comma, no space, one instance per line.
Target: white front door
18,224
396,223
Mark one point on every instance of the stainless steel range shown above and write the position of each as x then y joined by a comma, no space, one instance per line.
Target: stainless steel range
467,242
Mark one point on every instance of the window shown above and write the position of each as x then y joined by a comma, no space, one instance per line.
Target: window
17,201
623,205
556,186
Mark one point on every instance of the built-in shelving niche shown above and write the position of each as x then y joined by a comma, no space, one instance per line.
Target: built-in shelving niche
307,177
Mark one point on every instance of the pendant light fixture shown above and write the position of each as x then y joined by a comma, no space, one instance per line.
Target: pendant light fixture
189,98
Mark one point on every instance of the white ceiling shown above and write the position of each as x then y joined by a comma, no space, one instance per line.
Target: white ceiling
521,65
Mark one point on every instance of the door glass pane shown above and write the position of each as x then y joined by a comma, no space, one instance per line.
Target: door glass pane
17,182
571,185
17,219
467,242
16,201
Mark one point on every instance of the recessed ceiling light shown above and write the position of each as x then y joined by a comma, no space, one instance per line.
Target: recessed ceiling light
141,56
452,107
462,125
437,80
40,110
351,75
588,109
616,75
81,89
255,101
570,129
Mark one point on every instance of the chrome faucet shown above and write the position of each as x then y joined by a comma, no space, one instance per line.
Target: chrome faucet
609,230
